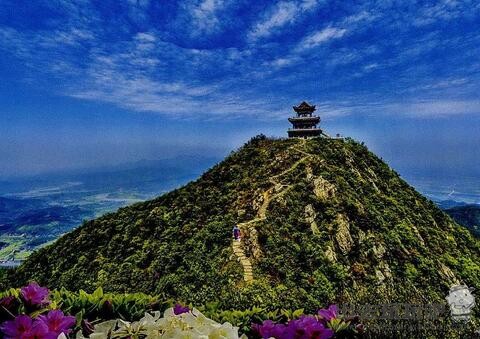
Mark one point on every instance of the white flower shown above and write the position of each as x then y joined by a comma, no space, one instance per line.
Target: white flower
190,325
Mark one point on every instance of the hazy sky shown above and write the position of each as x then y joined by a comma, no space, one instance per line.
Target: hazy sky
87,83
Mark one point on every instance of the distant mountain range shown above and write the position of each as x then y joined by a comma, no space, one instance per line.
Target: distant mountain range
37,210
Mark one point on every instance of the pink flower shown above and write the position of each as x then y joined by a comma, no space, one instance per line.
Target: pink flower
57,323
34,295
305,327
328,314
23,327
179,309
268,329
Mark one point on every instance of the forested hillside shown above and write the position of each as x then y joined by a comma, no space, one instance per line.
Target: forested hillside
323,220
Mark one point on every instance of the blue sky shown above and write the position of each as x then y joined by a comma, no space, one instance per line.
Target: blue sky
87,83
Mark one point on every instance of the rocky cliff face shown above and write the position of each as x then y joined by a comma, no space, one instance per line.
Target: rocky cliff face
322,220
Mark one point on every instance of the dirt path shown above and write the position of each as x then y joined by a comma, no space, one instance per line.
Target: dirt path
269,195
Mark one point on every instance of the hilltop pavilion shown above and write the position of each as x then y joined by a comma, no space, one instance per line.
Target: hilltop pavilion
305,123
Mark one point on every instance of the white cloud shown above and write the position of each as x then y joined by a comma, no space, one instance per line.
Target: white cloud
336,30
284,13
138,10
322,36
205,16
447,83
145,37
371,67
281,62
444,10
438,108
360,17
142,80
150,72
309,4
417,108
177,100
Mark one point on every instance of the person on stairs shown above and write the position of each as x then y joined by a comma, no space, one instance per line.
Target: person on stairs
236,233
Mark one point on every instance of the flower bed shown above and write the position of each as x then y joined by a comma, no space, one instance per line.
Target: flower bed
35,312
33,315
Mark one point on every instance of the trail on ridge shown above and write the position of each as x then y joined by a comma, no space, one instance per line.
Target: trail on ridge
276,190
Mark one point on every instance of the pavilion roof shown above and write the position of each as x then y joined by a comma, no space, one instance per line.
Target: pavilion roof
304,106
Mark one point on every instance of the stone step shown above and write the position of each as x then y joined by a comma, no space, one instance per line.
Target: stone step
239,252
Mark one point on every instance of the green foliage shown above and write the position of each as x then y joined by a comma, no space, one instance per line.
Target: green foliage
100,305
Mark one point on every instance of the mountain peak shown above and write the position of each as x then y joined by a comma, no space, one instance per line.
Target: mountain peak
321,220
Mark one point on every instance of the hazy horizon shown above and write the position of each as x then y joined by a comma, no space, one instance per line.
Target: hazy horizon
88,85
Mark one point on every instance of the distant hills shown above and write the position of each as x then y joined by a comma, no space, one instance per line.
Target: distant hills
446,204
468,216
37,210
323,220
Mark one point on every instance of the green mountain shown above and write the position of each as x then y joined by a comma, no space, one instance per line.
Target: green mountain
468,216
323,220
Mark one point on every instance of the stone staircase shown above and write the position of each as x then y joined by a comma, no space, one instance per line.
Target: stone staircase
247,265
